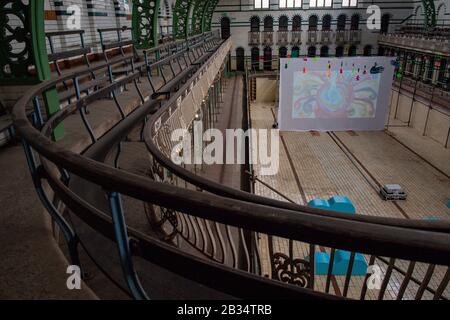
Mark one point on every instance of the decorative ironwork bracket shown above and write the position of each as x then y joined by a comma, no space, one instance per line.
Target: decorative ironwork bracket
145,23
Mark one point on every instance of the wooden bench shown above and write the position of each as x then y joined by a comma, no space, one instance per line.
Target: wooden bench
80,50
119,44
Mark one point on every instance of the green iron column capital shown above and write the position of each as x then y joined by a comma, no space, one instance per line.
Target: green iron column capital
430,13
207,15
181,18
197,16
145,23
23,52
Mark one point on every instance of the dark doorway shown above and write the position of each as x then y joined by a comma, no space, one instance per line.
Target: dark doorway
385,19
324,51
267,58
255,58
240,59
282,53
311,51
381,51
339,52
367,51
225,27
352,51
295,52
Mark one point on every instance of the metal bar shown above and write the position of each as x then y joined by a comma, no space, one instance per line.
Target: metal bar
425,282
406,280
349,273
69,234
123,245
386,279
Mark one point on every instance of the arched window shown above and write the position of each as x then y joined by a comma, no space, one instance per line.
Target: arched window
341,21
312,51
326,22
282,53
313,23
324,51
354,23
267,58
339,51
385,19
296,23
367,50
295,53
268,23
255,58
440,14
240,59
283,22
352,51
254,24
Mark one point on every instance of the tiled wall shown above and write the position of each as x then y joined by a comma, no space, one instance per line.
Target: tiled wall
240,12
95,14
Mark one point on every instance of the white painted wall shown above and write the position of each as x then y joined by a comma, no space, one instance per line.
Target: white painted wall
240,12
437,120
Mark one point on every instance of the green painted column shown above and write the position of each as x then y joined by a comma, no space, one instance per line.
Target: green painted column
430,13
145,23
197,16
181,18
207,15
23,51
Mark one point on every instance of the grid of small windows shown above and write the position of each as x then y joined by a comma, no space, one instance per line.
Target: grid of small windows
320,3
265,4
290,3
349,3
262,4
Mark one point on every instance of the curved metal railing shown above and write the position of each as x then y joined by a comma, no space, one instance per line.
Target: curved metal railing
66,180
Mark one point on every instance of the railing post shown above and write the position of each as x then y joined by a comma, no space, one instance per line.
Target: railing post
123,244
69,234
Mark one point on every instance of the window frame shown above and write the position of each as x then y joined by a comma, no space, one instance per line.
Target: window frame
262,5
349,5
294,6
324,4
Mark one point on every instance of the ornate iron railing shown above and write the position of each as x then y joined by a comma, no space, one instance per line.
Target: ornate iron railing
93,200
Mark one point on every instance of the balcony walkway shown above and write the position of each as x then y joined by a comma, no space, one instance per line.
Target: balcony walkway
32,266
321,165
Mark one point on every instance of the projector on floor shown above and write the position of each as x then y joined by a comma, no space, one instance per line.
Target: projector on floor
392,192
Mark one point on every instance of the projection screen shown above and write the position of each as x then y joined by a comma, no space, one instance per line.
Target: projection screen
334,94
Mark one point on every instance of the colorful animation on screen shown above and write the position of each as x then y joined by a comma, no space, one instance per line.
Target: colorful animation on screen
335,94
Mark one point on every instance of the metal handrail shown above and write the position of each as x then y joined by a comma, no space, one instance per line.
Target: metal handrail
220,189
118,180
416,240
